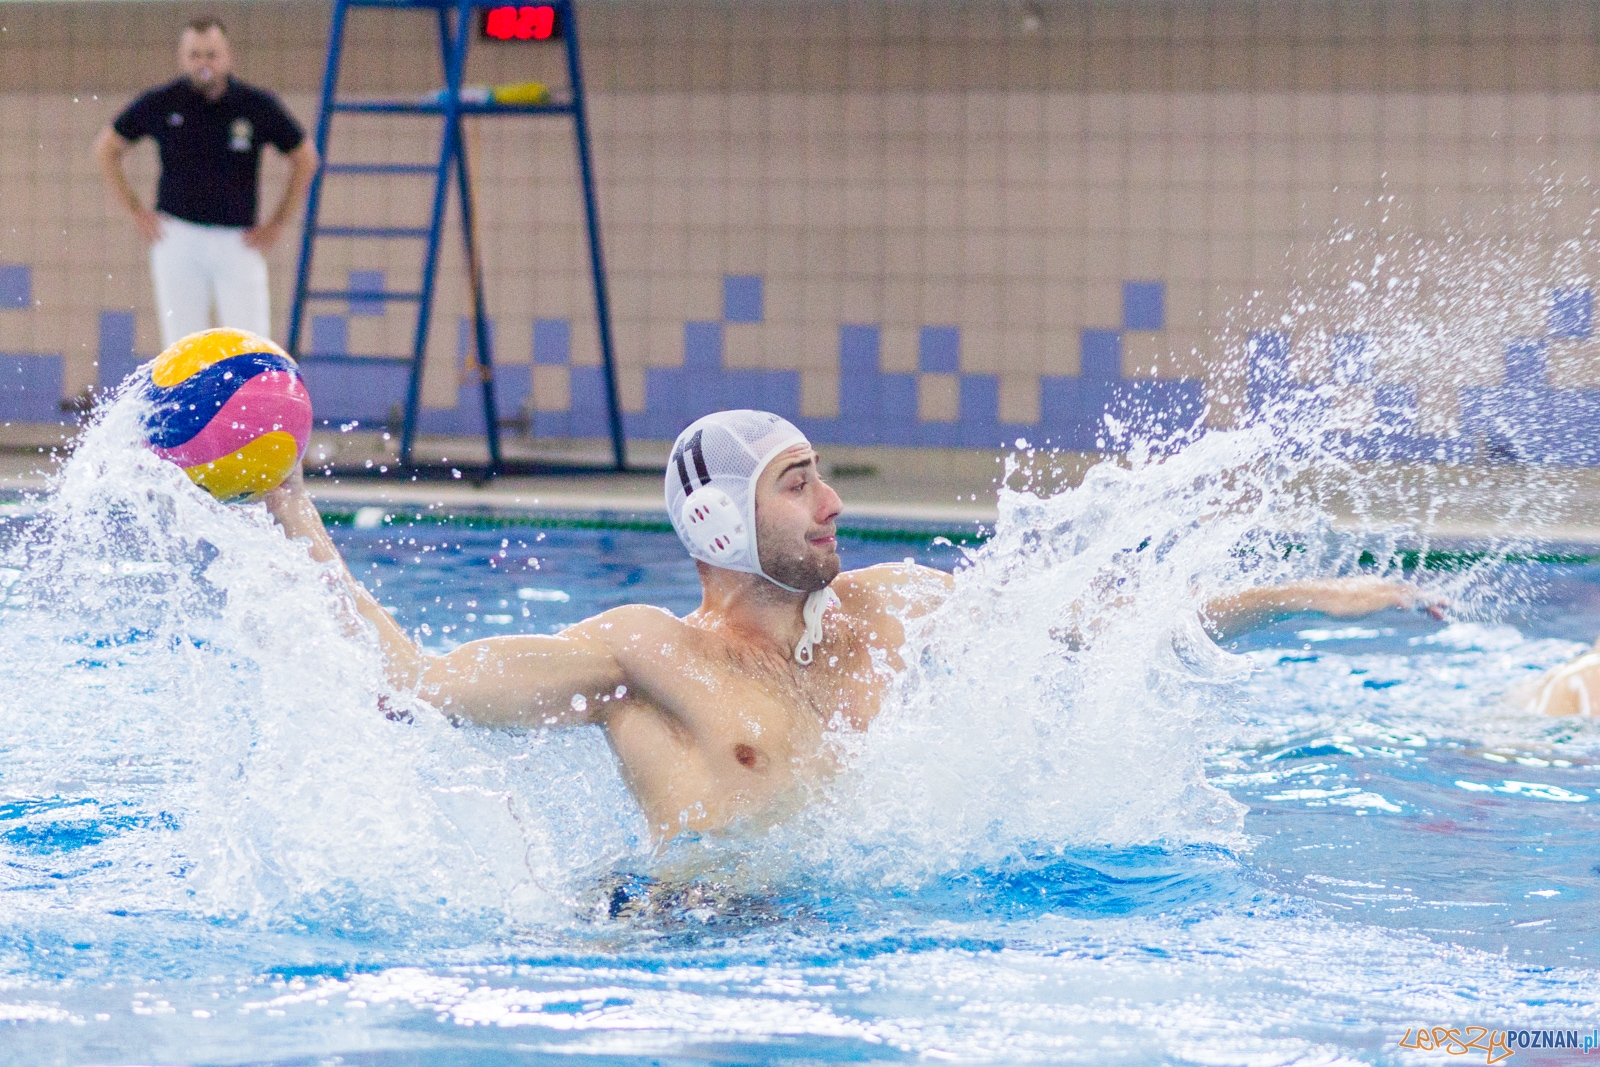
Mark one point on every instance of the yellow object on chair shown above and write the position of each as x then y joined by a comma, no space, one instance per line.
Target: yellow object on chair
521,93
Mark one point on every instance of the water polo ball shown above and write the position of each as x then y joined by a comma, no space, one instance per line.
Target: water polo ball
230,409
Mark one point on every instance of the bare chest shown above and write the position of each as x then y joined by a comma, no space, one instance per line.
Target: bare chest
753,709
770,699
712,730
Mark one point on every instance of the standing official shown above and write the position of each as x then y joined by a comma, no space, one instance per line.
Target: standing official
205,245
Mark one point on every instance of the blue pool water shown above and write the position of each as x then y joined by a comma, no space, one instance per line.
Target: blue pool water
214,848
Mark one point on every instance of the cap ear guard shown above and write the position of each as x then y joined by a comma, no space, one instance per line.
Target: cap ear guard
711,520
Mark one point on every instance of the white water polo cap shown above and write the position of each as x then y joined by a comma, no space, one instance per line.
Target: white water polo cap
711,485
711,498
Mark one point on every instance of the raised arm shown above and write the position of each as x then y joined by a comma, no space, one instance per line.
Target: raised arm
526,680
1342,598
564,679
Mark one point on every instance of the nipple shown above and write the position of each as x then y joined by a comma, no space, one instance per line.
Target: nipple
816,604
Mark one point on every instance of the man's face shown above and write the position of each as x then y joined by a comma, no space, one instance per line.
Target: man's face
795,532
205,59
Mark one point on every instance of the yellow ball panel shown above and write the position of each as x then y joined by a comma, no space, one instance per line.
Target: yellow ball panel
199,350
252,471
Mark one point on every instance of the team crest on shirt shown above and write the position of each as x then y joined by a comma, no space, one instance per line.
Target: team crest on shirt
239,135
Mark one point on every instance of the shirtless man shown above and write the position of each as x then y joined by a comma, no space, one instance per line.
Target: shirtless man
724,715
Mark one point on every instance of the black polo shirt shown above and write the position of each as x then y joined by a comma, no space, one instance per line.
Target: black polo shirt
210,152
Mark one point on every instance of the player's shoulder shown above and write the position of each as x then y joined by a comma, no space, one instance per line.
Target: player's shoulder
889,585
630,621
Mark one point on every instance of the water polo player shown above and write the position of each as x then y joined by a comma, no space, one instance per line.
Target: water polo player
724,715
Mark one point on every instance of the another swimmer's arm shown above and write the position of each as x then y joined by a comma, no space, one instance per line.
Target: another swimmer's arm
1342,598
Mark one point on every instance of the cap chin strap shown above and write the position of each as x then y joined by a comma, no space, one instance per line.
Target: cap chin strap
811,612
816,604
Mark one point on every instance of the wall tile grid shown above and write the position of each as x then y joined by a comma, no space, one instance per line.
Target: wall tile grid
908,224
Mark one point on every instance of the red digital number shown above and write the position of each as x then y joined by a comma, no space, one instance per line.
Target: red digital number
501,23
528,23
541,21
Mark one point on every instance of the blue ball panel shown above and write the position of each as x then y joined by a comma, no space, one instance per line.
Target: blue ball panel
182,410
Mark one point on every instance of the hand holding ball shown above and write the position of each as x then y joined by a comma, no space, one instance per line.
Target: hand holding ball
230,409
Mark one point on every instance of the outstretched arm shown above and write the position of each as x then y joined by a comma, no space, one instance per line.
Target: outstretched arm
1342,598
910,590
526,680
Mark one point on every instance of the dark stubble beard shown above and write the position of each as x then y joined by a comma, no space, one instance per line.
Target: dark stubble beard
807,572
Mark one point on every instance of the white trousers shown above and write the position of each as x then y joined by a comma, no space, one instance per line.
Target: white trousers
194,266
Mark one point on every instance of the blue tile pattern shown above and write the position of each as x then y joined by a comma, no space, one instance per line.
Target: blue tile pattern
1270,386
939,349
1144,305
368,393
16,287
552,342
512,384
116,359
1072,410
366,281
742,298
1522,420
1571,312
1352,358
589,413
1100,355
330,335
1527,363
876,407
586,414
30,389
676,396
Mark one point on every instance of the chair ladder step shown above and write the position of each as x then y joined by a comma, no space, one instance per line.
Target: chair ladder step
382,233
360,294
381,168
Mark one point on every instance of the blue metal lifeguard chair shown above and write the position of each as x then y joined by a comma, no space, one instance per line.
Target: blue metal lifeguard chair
456,25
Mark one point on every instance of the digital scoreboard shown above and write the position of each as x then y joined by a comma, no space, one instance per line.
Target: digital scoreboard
520,22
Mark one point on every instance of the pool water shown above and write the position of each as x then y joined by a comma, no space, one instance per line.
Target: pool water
214,848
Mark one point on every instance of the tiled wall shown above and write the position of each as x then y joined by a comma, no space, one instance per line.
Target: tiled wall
903,223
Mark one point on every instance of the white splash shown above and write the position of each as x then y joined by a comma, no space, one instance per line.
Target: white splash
177,669
1065,692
